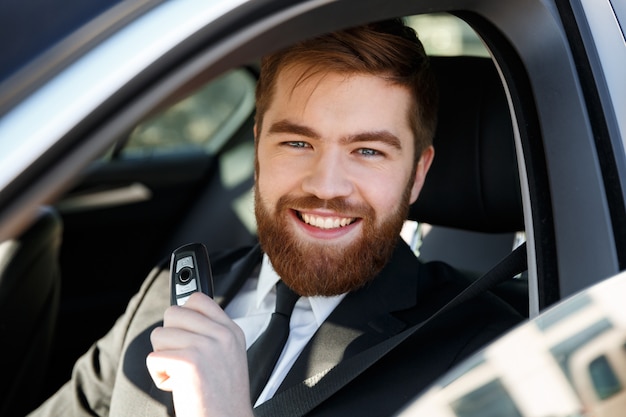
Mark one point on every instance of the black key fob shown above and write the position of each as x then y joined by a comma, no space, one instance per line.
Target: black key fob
190,271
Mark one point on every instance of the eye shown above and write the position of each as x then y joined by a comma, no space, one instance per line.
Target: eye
369,152
297,144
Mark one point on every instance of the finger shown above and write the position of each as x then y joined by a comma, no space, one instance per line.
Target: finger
175,338
197,306
207,336
172,338
194,322
160,370
190,393
184,318
217,325
206,306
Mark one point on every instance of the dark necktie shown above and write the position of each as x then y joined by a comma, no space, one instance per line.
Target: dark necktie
265,351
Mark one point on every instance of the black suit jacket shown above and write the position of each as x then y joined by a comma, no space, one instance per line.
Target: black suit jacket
112,379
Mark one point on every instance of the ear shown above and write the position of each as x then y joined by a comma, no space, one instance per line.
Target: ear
423,165
256,142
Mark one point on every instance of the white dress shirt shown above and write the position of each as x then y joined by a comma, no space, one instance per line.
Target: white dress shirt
251,310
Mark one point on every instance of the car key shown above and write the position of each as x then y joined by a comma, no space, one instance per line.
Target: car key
190,271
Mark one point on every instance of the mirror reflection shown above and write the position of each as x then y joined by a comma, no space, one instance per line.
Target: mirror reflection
569,361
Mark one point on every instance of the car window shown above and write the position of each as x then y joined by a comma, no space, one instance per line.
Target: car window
201,122
446,35
205,120
605,382
489,400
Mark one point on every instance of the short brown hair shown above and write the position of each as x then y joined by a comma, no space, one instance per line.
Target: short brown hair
388,49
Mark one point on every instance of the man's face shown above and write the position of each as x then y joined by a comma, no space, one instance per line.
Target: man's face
335,177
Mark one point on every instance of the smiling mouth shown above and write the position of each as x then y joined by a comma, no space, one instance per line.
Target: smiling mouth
325,222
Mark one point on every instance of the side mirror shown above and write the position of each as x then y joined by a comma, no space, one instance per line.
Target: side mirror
569,361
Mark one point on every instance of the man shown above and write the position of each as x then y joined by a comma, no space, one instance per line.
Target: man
344,142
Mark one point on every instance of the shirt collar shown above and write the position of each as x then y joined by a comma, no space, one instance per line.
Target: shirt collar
267,280
320,306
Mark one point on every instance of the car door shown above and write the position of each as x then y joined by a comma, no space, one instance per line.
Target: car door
573,167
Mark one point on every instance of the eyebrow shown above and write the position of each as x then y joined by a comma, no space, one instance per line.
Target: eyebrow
285,126
384,136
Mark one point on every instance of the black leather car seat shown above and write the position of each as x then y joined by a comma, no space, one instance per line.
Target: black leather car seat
474,152
29,296
471,197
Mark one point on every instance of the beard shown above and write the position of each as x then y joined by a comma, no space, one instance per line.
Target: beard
325,269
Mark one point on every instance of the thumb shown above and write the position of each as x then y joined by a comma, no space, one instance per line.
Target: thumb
158,366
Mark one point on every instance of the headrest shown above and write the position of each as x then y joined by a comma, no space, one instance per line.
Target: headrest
473,183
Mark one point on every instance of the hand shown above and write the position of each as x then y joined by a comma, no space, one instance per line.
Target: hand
200,356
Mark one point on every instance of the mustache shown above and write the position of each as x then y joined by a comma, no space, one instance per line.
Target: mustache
340,205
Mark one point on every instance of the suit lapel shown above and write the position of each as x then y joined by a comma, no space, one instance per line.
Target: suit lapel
228,283
362,320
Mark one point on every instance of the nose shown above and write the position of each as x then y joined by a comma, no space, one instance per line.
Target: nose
328,177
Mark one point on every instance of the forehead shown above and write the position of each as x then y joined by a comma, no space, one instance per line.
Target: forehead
298,80
340,100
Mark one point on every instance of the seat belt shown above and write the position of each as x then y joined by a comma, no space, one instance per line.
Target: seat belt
302,398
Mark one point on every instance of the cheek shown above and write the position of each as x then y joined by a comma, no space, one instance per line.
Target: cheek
383,193
275,179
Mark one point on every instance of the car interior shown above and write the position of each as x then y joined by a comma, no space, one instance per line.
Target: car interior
30,284
469,213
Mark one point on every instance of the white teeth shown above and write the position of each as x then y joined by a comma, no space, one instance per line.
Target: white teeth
326,222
